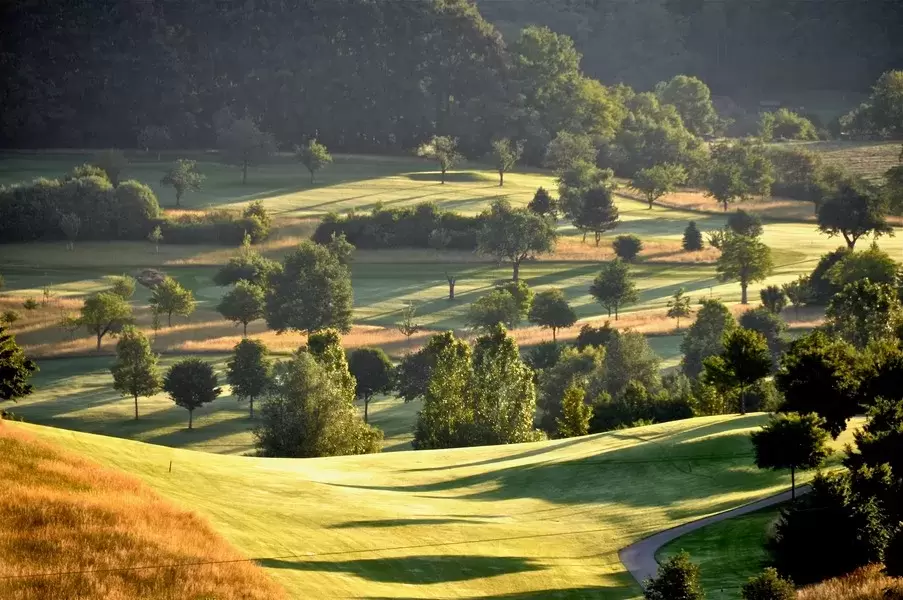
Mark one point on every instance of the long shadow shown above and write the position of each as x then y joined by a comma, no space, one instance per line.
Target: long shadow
384,523
452,177
415,570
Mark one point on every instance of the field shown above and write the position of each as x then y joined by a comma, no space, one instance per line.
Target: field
540,520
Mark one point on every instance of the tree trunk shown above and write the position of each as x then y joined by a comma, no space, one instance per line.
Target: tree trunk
616,312
792,484
169,318
516,275
451,287
190,418
245,334
851,243
251,402
443,177
743,286
742,400
554,334
501,178
311,177
136,407
178,198
598,237
725,205
244,173
678,323
99,337
650,199
366,410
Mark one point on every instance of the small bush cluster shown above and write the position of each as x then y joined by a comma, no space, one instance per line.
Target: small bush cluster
423,226
213,227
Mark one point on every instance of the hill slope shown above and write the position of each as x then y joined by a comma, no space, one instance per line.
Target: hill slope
526,521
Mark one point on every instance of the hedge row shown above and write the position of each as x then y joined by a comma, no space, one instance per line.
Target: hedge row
423,226
212,227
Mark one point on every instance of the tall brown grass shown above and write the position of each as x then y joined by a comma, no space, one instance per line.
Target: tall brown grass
865,584
61,513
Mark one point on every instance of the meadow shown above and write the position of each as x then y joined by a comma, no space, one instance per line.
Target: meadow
542,520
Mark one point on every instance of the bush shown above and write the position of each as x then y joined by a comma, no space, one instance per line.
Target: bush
784,125
692,241
768,586
821,288
212,227
798,174
744,223
596,337
677,578
627,247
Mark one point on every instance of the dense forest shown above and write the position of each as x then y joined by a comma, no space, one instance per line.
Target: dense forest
383,75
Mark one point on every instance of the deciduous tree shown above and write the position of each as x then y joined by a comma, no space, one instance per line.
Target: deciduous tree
738,171
123,286
745,360
677,578
408,324
568,149
627,247
853,210
505,155
183,176
741,222
113,162
791,441
514,235
373,374
249,371
242,143
773,298
191,383
797,292
596,212
314,156
169,297
768,585
744,259
706,336
135,372
575,414
693,100
551,309
679,306
543,204
863,312
613,287
497,307
105,313
658,181
443,150
243,304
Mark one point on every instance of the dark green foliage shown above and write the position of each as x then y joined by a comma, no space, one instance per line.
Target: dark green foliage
692,240
879,443
212,227
373,374
123,286
573,183
785,125
678,579
112,162
614,288
246,265
135,371
498,307
827,533
882,115
893,555
873,264
768,585
242,304
636,406
863,312
569,149
658,180
853,209
443,150
183,176
744,259
627,247
745,360
242,143
191,383
741,222
821,288
551,309
514,234
819,374
574,367
314,156
693,101
799,173
773,299
401,228
629,358
738,171
413,373
170,297
521,293
105,313
504,156
771,326
543,204
679,306
791,441
596,337
311,292
798,292
543,355
15,369
705,337
249,371
575,414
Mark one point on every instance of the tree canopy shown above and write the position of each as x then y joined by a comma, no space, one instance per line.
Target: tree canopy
614,287
853,210
514,234
135,372
249,371
551,310
191,383
15,368
744,259
791,441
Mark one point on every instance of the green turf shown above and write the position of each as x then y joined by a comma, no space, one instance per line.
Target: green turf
728,552
540,520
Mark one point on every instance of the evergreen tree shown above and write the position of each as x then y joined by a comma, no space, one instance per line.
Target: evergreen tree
692,240
679,306
15,369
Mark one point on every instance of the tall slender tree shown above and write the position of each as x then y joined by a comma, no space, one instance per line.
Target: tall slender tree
249,371
135,372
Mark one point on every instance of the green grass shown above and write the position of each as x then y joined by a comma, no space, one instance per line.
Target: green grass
540,520
728,552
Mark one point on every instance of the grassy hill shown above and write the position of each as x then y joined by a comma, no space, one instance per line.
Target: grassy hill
540,520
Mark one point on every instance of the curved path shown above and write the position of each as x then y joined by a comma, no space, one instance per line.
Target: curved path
639,558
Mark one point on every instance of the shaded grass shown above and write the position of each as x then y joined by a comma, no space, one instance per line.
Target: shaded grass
62,513
550,516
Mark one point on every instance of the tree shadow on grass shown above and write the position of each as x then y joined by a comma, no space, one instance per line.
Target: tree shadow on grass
384,523
415,570
451,176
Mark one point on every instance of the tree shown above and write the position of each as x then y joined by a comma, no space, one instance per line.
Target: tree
242,304
677,578
568,149
863,312
873,264
768,585
784,124
15,369
9,317
105,313
247,265
444,418
154,137
797,292
705,337
242,143
741,222
575,414
551,309
443,150
629,359
574,182
893,556
70,225
744,259
791,441
692,240
314,156
522,294
771,326
738,171
679,306
574,367
514,234
249,371
597,212
614,286
135,372
595,337
30,304
773,298
113,162
745,360
820,374
658,181
497,307
408,325
191,383
693,101
155,237
373,374
505,155
543,204
123,286
169,297
854,209
183,176
627,247
311,292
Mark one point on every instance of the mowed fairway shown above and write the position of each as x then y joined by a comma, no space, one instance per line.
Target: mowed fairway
540,520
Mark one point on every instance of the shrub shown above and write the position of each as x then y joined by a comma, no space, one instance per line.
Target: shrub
677,578
798,174
692,240
212,227
627,247
768,586
596,337
784,124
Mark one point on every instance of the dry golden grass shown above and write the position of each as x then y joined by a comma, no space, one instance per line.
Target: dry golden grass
61,513
865,584
783,209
